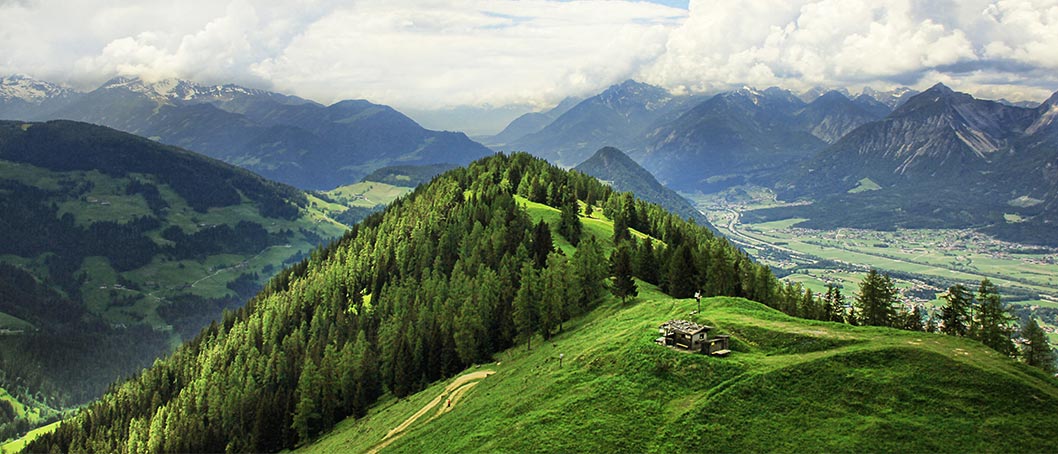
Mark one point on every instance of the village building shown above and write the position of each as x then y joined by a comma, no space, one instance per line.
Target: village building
687,335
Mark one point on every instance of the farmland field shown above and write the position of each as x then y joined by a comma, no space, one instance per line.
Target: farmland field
924,262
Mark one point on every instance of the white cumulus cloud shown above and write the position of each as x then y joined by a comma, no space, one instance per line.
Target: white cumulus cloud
429,54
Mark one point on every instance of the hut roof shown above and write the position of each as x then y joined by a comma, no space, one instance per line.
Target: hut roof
684,326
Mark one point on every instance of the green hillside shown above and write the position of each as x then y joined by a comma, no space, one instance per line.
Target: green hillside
117,249
469,268
789,385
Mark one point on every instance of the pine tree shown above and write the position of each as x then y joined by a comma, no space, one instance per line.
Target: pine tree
1036,350
876,299
305,413
646,263
681,273
955,313
542,244
590,271
913,319
569,225
624,286
994,324
526,317
833,304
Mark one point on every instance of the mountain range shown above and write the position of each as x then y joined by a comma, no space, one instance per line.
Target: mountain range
934,154
945,159
281,137
699,143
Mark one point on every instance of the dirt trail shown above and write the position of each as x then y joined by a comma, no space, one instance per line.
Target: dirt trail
453,392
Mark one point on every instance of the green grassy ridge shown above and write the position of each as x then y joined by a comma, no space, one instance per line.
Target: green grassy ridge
855,389
15,446
367,194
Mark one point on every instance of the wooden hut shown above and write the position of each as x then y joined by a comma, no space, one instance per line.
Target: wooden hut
691,336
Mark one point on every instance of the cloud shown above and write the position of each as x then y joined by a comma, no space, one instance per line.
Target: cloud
968,44
473,52
430,54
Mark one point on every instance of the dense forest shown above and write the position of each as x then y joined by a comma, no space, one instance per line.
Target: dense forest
442,279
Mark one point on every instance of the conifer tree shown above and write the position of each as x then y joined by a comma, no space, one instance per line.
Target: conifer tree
306,413
681,273
955,313
569,225
525,310
913,321
590,272
542,244
624,286
994,324
876,299
646,262
1036,350
833,304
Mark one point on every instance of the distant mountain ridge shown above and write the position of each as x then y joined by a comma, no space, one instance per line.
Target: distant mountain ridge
614,166
531,122
727,138
284,138
942,159
616,117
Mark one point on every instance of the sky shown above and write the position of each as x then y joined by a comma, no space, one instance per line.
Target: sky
443,54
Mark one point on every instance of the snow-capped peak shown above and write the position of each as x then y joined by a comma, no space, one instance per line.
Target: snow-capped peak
179,90
28,89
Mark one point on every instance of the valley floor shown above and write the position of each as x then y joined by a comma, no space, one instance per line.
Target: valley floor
924,262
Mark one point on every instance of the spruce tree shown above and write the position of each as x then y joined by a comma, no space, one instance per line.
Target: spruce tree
542,244
569,225
913,320
646,263
994,324
306,414
1036,350
955,313
876,299
681,273
525,308
624,286
590,271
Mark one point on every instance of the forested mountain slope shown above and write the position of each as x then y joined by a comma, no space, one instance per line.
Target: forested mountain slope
440,280
117,248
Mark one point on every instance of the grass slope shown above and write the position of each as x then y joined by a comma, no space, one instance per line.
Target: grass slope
789,385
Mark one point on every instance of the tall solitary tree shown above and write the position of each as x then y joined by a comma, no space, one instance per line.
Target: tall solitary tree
624,286
876,299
